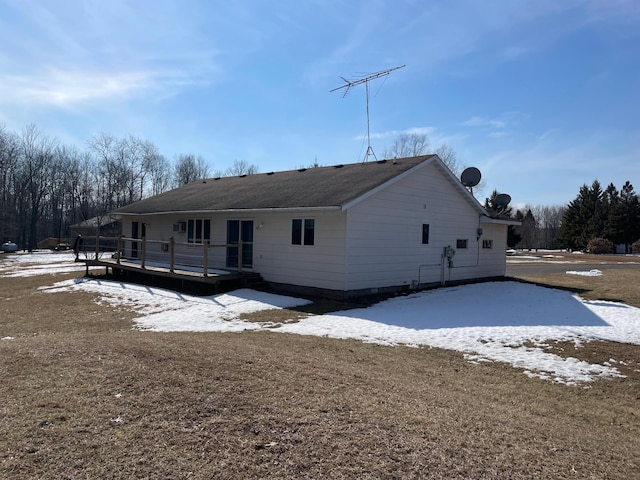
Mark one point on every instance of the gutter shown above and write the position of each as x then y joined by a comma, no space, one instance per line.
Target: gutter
234,210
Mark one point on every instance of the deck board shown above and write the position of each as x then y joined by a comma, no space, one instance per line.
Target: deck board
180,272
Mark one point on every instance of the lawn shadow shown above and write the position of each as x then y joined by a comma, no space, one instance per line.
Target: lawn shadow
492,304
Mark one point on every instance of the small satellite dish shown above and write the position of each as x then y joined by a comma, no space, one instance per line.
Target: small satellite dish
470,177
502,200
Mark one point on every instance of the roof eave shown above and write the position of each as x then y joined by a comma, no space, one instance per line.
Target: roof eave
499,221
232,210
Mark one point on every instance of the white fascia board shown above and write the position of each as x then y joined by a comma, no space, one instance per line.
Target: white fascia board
235,210
499,221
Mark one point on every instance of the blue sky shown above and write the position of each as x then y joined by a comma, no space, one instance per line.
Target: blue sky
542,96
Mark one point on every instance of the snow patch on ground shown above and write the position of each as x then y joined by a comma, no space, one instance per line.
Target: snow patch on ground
498,321
590,273
28,264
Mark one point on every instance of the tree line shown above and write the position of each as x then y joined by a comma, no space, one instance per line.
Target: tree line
47,186
596,220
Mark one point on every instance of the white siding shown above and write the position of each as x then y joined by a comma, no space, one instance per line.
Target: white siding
320,265
384,234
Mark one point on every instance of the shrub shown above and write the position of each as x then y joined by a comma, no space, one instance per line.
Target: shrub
600,245
635,247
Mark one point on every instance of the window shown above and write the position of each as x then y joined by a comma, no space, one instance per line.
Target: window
198,230
303,231
425,233
487,243
461,243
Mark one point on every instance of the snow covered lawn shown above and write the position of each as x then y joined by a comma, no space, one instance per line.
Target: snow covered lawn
39,263
499,321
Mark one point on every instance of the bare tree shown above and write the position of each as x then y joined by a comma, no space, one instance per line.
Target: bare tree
37,162
549,219
408,145
189,168
158,169
9,162
416,144
241,167
448,155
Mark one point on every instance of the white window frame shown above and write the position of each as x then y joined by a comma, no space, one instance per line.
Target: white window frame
304,240
192,227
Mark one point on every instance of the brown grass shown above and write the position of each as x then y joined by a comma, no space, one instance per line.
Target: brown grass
84,396
616,285
613,285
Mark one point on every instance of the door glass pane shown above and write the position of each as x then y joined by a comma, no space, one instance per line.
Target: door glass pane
190,231
247,231
134,243
247,243
198,231
233,235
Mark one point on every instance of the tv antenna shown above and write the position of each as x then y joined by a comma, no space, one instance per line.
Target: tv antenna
347,86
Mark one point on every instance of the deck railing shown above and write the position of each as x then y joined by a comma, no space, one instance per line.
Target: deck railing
170,253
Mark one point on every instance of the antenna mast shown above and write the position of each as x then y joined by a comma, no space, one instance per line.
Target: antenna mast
347,86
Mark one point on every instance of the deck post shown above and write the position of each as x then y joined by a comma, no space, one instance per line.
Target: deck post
119,249
172,248
144,251
239,256
205,258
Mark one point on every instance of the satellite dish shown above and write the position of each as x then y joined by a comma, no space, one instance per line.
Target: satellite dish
502,200
470,177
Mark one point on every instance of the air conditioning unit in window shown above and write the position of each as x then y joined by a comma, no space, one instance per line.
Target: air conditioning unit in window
180,227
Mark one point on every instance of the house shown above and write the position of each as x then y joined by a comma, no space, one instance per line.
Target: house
104,225
340,231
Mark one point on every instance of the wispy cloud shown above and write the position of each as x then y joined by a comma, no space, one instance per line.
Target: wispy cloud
70,88
484,122
74,88
67,55
498,134
497,125
513,52
428,131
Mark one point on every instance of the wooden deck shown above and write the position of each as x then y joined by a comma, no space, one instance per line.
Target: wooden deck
181,277
131,259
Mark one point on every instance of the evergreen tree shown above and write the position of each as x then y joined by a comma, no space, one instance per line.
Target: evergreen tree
608,214
613,225
629,215
528,229
584,218
495,211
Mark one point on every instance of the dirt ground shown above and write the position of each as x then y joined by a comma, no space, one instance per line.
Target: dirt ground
83,395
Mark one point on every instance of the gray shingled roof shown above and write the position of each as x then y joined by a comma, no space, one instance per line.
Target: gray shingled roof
332,186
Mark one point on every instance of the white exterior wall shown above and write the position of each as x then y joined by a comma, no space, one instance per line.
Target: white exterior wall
384,235
320,265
